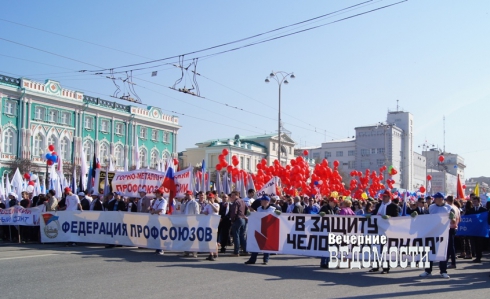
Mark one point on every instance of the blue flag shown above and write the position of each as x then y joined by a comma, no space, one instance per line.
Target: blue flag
475,225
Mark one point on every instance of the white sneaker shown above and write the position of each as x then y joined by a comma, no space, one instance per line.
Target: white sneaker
444,275
425,274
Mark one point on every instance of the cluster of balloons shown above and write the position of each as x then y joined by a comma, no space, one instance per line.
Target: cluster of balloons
52,156
32,178
231,169
370,182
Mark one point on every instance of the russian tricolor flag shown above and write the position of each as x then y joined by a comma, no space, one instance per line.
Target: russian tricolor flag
169,184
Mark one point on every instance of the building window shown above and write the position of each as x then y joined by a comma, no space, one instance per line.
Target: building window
290,150
40,113
352,164
316,156
38,145
53,116
119,155
339,153
154,135
154,159
351,153
143,132
373,151
365,164
65,149
88,147
104,126
103,152
327,155
364,152
248,164
54,141
242,164
10,107
380,162
119,129
65,118
89,123
381,150
273,146
9,145
143,157
166,137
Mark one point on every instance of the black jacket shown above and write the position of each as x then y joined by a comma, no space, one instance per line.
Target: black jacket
121,206
478,211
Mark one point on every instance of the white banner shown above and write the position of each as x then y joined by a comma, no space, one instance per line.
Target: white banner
17,215
269,189
313,235
169,233
130,182
183,182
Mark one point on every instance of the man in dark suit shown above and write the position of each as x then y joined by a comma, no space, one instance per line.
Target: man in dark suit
477,242
298,208
117,204
394,209
224,224
421,209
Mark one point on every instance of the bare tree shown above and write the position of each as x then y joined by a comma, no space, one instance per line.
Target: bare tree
24,165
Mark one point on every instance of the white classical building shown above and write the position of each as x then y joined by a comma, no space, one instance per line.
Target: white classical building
250,150
387,143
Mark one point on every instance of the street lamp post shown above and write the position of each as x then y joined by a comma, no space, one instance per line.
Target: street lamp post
280,77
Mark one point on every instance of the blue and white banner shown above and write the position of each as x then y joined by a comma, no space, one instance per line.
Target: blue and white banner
17,215
475,225
170,233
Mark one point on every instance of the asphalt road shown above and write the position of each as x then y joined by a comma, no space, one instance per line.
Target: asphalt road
92,271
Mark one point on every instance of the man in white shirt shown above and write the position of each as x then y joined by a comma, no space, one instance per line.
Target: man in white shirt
250,197
190,207
264,208
72,201
159,207
144,204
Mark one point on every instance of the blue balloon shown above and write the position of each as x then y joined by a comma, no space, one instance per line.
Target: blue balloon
48,156
455,166
316,183
54,158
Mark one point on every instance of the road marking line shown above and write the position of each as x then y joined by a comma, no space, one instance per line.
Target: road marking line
49,254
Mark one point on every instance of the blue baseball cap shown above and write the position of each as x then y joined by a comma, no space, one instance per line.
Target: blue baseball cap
438,195
265,197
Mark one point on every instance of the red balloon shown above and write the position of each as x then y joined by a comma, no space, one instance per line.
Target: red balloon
229,168
234,157
429,177
176,161
225,152
54,154
336,163
27,176
305,153
235,162
219,167
464,186
49,162
422,189
31,183
441,158
51,147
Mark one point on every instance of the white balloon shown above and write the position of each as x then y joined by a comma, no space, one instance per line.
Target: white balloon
30,189
34,177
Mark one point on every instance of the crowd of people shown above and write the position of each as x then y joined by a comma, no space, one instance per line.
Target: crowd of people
234,210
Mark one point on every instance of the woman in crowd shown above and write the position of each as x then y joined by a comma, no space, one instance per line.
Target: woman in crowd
357,208
346,208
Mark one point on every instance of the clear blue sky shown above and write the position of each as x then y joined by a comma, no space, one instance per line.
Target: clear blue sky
433,56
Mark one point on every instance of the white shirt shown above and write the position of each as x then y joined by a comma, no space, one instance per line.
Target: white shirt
269,210
72,202
160,204
90,199
290,208
248,201
208,209
382,209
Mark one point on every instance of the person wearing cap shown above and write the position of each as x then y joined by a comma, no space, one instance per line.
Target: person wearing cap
12,199
159,207
421,209
84,202
144,204
439,207
264,208
72,202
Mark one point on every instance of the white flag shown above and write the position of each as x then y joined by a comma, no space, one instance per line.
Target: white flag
17,182
269,189
83,168
136,153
